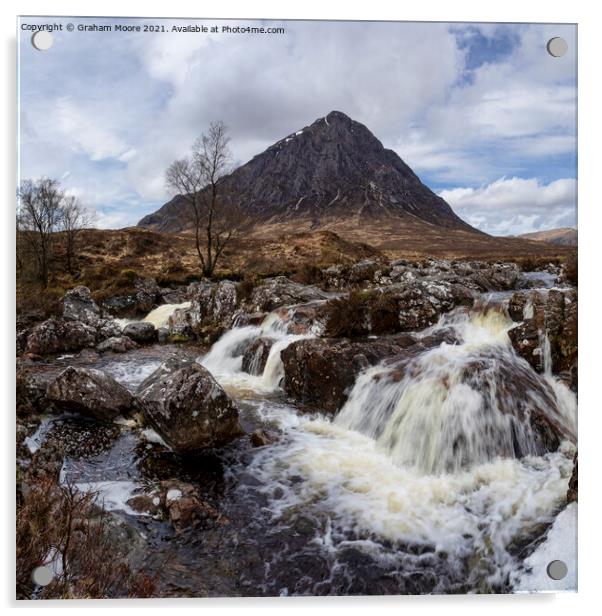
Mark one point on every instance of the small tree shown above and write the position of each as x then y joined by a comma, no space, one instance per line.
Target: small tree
73,217
38,214
216,218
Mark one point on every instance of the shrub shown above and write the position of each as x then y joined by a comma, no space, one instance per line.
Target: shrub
308,274
244,289
347,316
64,525
384,314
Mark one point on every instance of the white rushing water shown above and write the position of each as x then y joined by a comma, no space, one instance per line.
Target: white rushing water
437,449
159,316
225,358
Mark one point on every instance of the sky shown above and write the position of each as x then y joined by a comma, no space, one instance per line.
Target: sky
481,112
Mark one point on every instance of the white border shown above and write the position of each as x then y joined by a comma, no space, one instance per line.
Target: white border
583,12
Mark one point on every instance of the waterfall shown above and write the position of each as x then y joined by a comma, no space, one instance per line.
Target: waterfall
225,358
456,406
159,316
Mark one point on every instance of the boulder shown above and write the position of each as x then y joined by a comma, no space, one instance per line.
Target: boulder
320,372
256,355
281,291
89,392
117,344
213,308
60,336
141,332
141,301
261,438
78,305
188,408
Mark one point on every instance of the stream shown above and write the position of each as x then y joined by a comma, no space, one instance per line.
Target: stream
414,487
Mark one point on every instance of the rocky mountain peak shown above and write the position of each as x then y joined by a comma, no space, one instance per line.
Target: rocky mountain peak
333,169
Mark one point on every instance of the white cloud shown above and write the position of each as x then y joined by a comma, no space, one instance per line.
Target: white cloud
81,128
516,205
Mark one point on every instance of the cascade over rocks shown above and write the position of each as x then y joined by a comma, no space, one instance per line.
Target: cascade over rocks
256,355
549,326
188,408
320,372
90,392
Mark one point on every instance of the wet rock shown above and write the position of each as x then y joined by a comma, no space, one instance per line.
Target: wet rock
117,344
281,291
255,319
571,495
516,306
320,372
260,438
145,503
188,408
162,335
141,332
87,356
78,305
549,328
256,355
59,336
185,508
90,392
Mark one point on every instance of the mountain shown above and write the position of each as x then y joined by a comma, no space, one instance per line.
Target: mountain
334,174
565,236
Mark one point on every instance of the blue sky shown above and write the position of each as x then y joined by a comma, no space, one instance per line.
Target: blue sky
480,111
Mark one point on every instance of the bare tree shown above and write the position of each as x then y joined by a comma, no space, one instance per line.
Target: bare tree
216,218
38,214
73,217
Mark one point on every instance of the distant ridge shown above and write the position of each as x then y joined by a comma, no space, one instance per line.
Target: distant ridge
565,236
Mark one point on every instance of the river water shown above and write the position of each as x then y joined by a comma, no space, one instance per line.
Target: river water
429,479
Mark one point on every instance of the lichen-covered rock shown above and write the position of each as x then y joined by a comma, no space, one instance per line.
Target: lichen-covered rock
78,305
281,291
141,332
117,344
59,336
213,308
89,392
547,335
188,408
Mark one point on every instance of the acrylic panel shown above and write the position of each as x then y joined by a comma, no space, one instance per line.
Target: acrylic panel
296,308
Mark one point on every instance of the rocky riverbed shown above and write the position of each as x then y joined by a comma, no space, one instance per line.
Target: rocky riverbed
399,427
